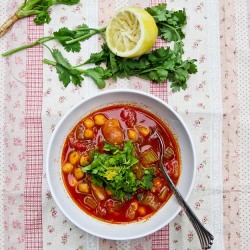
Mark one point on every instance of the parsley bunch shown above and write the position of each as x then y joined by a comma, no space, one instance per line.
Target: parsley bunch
69,39
113,169
69,74
39,8
159,65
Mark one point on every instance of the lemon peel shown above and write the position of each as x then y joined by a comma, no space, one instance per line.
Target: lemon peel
131,32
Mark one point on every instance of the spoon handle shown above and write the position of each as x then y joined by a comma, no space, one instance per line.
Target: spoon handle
205,237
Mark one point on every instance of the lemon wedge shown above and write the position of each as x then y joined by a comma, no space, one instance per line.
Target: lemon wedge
131,32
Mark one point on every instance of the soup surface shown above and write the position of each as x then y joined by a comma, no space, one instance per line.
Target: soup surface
110,163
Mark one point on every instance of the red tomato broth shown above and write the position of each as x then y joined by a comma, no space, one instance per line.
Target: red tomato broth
128,116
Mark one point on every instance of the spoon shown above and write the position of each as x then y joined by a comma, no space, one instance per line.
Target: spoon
205,237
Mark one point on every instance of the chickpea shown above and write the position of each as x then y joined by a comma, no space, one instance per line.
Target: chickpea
100,119
88,123
141,210
143,130
83,187
132,134
88,133
157,182
74,157
67,167
78,173
85,160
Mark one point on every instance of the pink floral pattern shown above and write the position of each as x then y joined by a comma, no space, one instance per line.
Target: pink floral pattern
14,140
230,131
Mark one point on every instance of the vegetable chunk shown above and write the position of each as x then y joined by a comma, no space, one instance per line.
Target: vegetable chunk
112,131
150,200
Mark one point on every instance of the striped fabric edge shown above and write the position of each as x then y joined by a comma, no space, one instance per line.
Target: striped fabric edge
230,116
33,141
160,239
242,11
3,17
214,79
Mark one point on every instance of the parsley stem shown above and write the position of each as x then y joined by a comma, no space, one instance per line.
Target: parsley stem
172,28
82,38
49,62
37,42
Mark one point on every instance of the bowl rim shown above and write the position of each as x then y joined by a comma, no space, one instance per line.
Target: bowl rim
50,144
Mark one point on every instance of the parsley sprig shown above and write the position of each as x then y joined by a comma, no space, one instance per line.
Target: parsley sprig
69,74
113,169
159,65
170,23
39,8
69,39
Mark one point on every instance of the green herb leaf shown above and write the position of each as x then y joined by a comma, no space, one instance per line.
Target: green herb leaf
42,18
67,2
159,65
40,9
147,179
60,59
114,169
66,73
98,74
170,23
158,12
63,35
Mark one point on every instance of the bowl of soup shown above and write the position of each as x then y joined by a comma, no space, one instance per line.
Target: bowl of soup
103,169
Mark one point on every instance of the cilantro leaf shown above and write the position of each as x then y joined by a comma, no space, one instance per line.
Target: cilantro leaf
67,2
99,57
170,23
98,74
158,12
63,35
66,73
70,39
40,8
159,65
42,18
147,179
60,59
113,168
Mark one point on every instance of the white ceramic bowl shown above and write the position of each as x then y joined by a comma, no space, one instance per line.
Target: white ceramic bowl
129,230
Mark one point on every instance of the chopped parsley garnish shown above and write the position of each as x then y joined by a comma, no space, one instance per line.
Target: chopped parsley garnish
113,170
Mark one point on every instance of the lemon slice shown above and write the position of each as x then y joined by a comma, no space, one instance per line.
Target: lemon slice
131,32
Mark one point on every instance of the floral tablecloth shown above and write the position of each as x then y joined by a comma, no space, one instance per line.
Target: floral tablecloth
215,107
